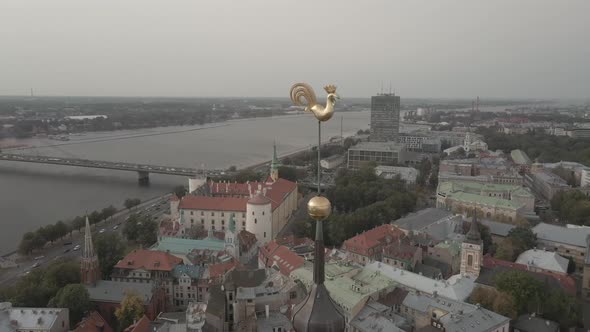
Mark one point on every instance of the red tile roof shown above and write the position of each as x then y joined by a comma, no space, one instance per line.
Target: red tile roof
275,191
143,325
149,260
566,282
193,202
273,254
366,243
218,270
93,322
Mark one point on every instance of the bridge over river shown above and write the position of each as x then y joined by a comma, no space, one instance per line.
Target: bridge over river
143,170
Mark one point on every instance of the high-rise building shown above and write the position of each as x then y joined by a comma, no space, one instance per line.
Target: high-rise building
385,109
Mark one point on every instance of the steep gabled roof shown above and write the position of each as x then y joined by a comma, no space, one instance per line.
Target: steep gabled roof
148,260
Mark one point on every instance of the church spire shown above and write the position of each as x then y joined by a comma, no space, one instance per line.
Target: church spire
89,269
88,246
274,164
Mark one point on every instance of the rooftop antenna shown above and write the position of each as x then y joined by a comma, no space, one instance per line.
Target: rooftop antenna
390,91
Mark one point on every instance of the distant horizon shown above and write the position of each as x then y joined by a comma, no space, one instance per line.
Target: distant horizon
344,98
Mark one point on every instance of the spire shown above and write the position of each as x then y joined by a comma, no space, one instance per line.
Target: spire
274,164
88,246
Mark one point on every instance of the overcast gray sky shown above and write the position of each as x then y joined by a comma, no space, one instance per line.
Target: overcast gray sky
499,48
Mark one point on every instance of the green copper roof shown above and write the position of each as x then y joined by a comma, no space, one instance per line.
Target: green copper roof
346,290
486,200
185,246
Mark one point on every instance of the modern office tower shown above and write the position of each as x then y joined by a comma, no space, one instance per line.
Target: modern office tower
385,110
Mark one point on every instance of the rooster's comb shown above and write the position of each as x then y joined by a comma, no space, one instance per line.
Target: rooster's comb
330,88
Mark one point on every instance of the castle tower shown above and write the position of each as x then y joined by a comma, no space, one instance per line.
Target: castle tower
259,217
274,165
472,250
89,269
231,239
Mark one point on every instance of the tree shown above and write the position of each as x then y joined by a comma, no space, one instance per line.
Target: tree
61,229
505,251
290,173
110,248
131,309
523,288
131,202
26,245
141,229
232,168
75,297
41,284
491,299
504,305
108,212
78,222
95,217
180,191
522,239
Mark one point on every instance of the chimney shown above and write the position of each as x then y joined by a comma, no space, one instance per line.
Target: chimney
266,309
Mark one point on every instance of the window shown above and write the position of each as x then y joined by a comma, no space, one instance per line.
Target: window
252,212
262,212
231,296
243,215
202,221
192,221
469,260
223,222
243,223
222,214
202,213
212,214
223,228
191,213
255,221
212,222
264,234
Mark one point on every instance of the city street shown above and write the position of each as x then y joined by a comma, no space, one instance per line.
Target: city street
72,247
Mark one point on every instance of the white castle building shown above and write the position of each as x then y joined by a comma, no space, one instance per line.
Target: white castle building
262,208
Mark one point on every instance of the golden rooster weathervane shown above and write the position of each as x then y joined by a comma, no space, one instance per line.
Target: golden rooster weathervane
302,94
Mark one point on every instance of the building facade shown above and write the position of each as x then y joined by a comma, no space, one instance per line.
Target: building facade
385,109
380,153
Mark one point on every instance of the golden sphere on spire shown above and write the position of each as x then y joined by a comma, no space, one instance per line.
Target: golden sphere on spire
319,208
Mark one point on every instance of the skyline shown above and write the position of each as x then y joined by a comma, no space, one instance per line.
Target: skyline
453,50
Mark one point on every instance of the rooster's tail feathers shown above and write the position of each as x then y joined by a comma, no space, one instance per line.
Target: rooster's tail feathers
303,95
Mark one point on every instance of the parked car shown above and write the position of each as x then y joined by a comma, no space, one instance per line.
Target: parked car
36,265
39,257
76,248
102,231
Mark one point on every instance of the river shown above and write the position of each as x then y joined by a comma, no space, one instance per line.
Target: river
34,195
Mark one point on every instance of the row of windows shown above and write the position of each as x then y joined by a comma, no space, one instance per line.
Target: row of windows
222,213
